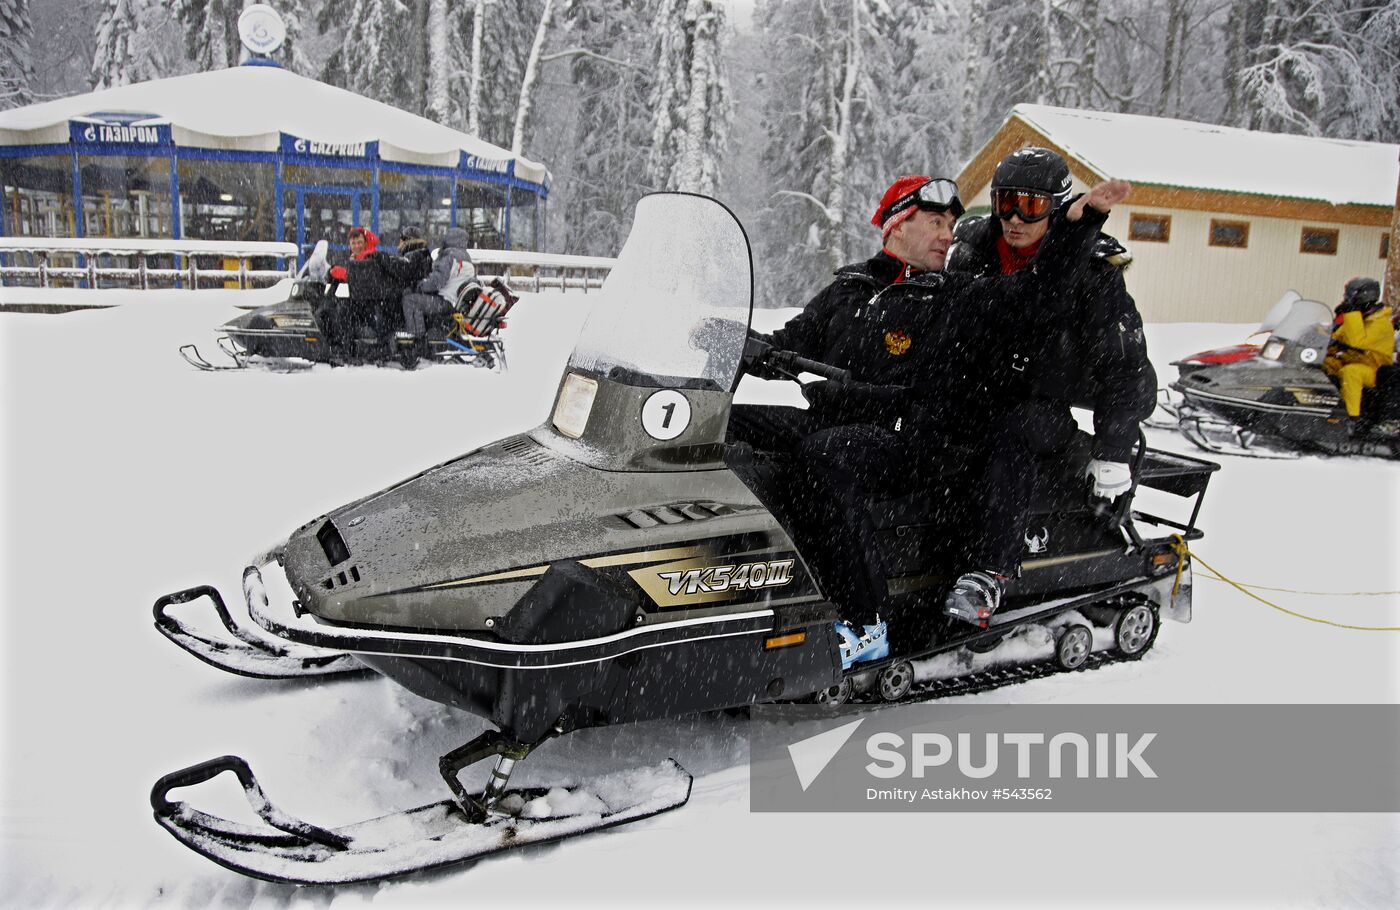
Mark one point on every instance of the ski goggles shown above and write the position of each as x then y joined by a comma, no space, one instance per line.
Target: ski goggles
1031,205
939,194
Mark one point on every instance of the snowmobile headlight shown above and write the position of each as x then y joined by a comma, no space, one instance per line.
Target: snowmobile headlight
1272,351
574,404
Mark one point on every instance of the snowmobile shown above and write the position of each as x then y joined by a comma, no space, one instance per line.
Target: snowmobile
298,327
1274,400
615,564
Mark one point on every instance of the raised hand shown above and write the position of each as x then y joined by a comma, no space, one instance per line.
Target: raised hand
1102,197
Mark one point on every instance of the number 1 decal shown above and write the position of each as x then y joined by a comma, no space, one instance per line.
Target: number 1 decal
666,414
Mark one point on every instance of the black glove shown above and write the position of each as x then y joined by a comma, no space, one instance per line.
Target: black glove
1349,306
763,361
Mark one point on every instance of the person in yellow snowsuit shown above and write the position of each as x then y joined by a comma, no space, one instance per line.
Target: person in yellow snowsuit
1362,344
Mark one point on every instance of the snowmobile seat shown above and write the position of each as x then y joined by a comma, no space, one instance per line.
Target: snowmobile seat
924,532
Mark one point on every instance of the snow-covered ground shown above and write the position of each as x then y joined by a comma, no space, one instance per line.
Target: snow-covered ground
127,474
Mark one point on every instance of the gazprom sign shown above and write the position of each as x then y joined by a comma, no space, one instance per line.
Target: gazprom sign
486,165
81,133
295,145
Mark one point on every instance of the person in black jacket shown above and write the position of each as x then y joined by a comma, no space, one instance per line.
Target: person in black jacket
916,340
1083,346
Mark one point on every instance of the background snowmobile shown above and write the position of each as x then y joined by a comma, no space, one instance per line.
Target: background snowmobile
307,323
1274,400
613,565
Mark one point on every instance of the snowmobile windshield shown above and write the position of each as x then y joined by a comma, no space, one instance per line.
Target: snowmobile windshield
675,308
1304,319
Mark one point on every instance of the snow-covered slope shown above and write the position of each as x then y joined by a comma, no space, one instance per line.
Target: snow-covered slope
127,475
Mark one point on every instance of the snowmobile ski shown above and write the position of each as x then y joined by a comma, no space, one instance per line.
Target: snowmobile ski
246,653
1221,437
195,359
431,836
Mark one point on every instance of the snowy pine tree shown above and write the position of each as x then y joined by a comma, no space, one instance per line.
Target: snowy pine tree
126,52
211,32
690,99
1323,67
598,148
853,98
377,55
16,65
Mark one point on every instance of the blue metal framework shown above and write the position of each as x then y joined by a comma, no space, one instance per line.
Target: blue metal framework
157,142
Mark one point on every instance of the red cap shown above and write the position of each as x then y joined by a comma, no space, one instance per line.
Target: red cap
898,190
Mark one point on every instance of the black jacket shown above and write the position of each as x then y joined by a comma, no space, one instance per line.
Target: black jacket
1084,347
934,342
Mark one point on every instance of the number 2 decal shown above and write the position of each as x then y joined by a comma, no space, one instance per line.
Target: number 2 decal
666,414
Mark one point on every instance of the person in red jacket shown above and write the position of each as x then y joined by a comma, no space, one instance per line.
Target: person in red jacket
362,242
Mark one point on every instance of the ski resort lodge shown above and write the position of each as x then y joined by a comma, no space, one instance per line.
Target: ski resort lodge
1221,221
256,152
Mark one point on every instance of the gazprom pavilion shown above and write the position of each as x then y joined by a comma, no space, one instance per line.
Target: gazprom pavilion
256,152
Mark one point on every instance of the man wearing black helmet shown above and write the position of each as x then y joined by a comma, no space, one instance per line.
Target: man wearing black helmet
1082,346
1362,343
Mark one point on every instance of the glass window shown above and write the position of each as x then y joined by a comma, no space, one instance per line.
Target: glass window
227,200
38,196
1318,240
1154,228
309,175
325,215
524,228
421,199
1229,233
125,196
481,209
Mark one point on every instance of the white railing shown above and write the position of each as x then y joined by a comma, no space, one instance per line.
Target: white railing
524,270
543,271
42,251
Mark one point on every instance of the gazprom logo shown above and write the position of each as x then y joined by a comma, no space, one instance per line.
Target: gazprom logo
335,149
118,133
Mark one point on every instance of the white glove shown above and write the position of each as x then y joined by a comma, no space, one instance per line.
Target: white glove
1111,479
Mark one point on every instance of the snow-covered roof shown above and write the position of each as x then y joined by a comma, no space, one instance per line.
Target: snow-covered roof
248,107
1182,153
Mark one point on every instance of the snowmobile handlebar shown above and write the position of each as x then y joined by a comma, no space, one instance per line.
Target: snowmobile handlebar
824,370
765,361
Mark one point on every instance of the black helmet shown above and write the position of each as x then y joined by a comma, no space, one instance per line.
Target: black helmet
411,232
1034,168
1361,294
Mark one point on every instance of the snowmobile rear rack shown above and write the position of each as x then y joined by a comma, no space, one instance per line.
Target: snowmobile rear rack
247,654
432,836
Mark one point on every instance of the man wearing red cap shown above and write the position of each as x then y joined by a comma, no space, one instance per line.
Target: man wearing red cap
916,341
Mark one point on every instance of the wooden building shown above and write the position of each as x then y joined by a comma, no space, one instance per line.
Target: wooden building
1221,220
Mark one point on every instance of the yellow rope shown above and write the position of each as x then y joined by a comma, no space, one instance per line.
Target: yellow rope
1179,545
1307,593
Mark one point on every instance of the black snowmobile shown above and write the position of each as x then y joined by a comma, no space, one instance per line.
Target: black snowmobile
613,565
1274,400
318,324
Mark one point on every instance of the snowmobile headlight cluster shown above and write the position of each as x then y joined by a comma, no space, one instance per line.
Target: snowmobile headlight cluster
294,322
575,402
1272,351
